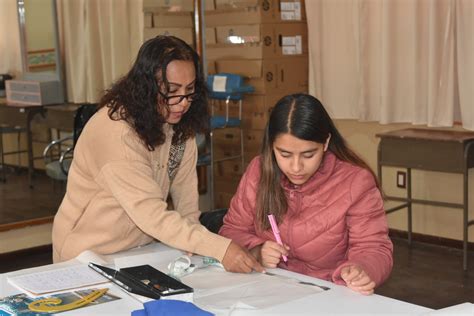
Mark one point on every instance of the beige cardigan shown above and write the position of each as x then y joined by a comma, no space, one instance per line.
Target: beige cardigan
116,196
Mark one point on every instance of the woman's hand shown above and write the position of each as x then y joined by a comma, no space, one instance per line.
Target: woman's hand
237,259
357,279
270,253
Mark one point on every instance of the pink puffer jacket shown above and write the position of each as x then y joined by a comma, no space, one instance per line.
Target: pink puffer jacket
335,219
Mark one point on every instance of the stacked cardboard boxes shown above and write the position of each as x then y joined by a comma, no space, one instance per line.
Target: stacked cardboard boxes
266,42
174,17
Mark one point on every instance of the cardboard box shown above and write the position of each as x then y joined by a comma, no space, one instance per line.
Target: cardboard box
34,92
176,5
172,19
280,75
184,33
227,137
211,67
261,103
234,51
233,4
278,39
253,140
239,34
224,184
228,145
210,35
255,109
170,5
256,12
229,169
250,155
222,199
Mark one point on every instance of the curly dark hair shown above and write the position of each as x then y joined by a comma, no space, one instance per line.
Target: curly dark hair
133,98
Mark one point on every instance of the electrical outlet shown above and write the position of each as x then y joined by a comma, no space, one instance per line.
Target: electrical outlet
401,179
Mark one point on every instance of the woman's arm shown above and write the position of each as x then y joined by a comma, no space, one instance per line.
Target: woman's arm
239,222
370,247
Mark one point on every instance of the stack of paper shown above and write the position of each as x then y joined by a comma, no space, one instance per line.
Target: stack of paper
72,277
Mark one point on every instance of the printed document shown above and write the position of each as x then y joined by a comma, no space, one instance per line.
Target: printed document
67,278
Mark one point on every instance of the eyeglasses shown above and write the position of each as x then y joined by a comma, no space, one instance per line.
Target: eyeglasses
176,99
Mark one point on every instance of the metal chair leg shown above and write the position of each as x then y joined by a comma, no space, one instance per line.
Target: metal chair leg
409,208
2,158
18,149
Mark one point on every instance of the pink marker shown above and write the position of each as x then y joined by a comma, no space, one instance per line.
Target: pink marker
276,232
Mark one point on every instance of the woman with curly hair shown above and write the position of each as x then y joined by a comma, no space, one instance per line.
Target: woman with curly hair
135,151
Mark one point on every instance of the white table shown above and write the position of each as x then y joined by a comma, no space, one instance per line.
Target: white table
339,300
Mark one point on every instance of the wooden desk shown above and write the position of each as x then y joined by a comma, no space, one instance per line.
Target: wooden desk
22,115
433,150
60,117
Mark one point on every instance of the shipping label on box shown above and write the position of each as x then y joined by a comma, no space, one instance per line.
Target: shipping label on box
292,45
290,10
282,39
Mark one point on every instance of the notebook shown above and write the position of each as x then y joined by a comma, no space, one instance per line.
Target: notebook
43,282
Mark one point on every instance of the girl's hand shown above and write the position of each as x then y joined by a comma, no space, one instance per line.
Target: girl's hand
357,279
271,253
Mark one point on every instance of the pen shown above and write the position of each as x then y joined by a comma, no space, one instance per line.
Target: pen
276,232
109,274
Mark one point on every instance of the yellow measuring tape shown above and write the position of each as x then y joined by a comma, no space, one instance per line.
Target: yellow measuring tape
51,305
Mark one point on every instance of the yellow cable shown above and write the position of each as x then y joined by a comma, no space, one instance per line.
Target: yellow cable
51,305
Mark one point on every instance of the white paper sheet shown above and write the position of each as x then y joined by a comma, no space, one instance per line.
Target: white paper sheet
158,261
71,277
219,83
214,288
90,256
